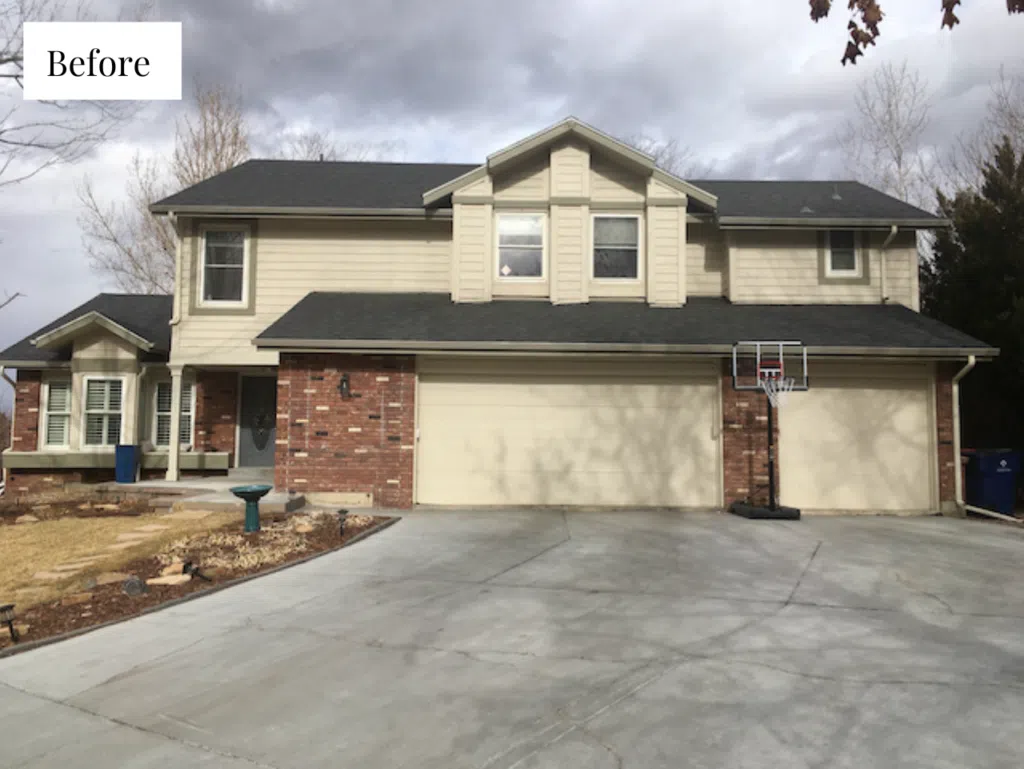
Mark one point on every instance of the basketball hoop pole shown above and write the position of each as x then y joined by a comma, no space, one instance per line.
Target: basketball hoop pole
772,502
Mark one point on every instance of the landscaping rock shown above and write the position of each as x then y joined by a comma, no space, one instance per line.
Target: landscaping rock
107,507
89,583
75,599
174,567
302,527
134,586
22,628
26,519
85,506
110,577
170,579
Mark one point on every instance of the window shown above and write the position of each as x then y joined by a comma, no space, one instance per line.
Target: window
521,246
616,247
224,267
57,426
103,412
843,260
162,423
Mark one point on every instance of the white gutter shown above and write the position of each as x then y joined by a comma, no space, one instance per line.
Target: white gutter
6,378
881,262
958,482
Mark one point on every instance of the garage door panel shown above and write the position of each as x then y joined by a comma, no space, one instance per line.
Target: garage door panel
566,440
858,445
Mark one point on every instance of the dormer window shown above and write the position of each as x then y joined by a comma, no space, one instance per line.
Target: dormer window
616,248
224,267
520,246
843,257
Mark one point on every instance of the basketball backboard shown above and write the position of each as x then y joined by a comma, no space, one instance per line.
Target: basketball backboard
753,362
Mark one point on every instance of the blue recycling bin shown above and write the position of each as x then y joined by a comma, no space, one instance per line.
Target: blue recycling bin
992,480
126,463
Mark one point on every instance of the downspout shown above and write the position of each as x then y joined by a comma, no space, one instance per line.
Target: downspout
176,314
14,387
881,263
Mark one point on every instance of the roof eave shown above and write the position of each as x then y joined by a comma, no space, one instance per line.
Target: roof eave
741,222
407,346
73,328
304,211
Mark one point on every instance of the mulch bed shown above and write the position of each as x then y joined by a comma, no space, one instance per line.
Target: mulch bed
86,504
110,603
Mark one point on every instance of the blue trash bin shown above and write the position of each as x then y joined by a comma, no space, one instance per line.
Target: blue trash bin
126,463
992,480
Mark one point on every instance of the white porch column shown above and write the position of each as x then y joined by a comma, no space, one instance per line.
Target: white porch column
175,448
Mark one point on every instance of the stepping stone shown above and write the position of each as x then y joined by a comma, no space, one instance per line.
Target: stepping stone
171,579
133,536
26,519
49,576
86,560
153,527
187,515
75,599
110,577
68,568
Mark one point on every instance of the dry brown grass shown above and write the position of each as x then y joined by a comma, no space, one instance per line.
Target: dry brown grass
29,548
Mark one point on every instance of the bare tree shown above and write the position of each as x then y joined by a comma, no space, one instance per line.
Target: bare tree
1004,117
38,134
8,298
884,144
127,243
668,155
316,145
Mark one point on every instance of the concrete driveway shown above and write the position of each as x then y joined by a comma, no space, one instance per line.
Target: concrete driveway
546,640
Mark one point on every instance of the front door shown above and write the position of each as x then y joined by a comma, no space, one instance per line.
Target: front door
257,421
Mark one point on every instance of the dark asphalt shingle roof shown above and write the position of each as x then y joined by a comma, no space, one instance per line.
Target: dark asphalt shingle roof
282,184
147,315
433,318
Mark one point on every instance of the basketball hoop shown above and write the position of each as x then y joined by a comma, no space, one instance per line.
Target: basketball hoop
777,388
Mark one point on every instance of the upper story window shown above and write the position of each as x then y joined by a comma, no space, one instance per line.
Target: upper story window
521,246
224,268
843,258
616,247
103,412
57,420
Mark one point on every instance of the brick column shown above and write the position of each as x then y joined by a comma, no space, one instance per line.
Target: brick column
944,435
216,410
745,442
27,399
363,444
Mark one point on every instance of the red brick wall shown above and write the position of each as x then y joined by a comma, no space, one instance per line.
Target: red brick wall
216,410
363,444
25,434
944,426
34,481
745,442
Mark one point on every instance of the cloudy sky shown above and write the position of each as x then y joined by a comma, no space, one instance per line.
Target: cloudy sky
754,88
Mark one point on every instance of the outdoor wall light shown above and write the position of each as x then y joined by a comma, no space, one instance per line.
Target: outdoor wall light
7,618
344,387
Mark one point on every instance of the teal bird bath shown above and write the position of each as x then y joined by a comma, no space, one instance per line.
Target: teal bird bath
252,494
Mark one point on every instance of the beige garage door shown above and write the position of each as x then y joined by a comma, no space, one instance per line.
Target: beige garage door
859,443
565,433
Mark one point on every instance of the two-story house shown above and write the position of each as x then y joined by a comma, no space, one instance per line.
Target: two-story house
552,326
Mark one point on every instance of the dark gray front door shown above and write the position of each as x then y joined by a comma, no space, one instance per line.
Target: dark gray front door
257,422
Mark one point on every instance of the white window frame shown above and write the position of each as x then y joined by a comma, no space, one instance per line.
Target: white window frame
44,414
858,261
543,248
639,247
246,231
85,413
155,414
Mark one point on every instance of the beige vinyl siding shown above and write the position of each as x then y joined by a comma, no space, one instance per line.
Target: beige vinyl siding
666,246
901,267
471,271
527,182
568,432
862,439
570,170
610,182
294,257
783,267
660,190
570,252
706,260
103,346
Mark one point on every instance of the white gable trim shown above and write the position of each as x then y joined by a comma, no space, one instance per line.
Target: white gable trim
82,323
570,126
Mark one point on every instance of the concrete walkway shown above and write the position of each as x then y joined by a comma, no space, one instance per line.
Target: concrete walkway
535,640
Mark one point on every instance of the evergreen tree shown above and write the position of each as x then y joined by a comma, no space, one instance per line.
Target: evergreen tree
975,282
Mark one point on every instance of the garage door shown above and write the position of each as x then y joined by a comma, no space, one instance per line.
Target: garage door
533,432
859,443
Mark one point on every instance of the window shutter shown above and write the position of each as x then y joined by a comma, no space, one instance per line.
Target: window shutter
95,395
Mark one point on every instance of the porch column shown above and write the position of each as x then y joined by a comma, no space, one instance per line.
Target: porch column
175,448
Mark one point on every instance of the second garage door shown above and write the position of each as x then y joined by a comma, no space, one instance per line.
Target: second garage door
536,432
858,441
